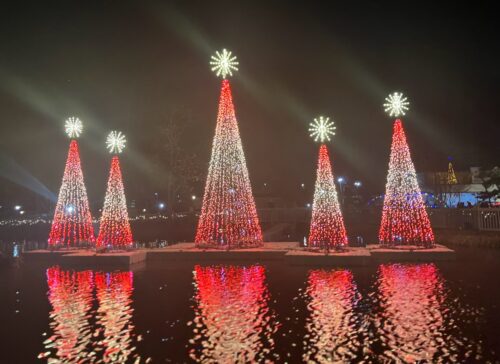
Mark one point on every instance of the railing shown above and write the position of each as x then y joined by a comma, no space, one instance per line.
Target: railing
482,219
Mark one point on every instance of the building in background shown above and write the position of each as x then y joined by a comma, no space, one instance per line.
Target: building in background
454,189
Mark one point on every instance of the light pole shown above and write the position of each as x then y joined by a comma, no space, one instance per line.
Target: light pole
341,181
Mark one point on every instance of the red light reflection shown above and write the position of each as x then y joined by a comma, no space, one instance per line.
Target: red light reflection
331,326
410,319
232,320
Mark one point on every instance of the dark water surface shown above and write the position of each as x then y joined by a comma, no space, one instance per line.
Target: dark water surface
270,312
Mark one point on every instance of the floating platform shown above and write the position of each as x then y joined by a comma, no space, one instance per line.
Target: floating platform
49,256
87,258
290,252
348,258
439,253
118,259
188,252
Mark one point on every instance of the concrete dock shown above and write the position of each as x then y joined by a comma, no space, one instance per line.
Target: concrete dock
439,253
289,252
348,258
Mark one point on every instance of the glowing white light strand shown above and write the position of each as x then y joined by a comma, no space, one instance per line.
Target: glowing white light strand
321,129
116,142
396,104
223,63
73,127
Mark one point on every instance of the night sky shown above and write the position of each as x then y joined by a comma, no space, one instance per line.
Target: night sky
128,65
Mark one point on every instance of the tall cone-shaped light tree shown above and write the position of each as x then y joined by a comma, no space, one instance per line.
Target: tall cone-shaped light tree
72,224
404,217
228,216
114,230
327,229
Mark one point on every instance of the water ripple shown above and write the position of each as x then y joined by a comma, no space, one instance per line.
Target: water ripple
233,323
414,318
88,330
333,327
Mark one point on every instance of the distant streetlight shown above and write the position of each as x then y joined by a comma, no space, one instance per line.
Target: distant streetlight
21,212
143,210
17,207
302,185
341,181
193,197
308,205
357,184
161,205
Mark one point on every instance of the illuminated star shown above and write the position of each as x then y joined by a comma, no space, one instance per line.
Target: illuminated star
396,104
223,63
73,127
321,129
115,142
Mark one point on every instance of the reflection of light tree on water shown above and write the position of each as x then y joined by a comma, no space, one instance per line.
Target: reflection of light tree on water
82,334
114,315
232,318
411,317
70,295
332,328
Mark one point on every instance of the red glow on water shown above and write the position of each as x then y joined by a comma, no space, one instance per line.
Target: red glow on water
70,294
114,315
411,316
331,325
232,320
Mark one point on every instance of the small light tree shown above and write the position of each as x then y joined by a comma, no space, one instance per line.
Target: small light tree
327,230
72,224
114,230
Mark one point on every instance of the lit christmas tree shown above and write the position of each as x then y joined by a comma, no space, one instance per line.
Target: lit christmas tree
451,178
327,229
72,224
114,231
404,218
228,215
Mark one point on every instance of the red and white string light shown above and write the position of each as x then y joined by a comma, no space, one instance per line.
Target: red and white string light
114,230
327,230
228,215
72,223
404,217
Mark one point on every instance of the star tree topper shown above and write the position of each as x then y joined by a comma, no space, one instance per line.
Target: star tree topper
73,127
396,104
223,63
321,129
116,142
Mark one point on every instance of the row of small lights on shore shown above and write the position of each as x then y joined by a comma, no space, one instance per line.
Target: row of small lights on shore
40,220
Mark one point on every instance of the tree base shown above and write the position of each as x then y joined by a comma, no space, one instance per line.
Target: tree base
79,246
410,246
327,250
232,246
